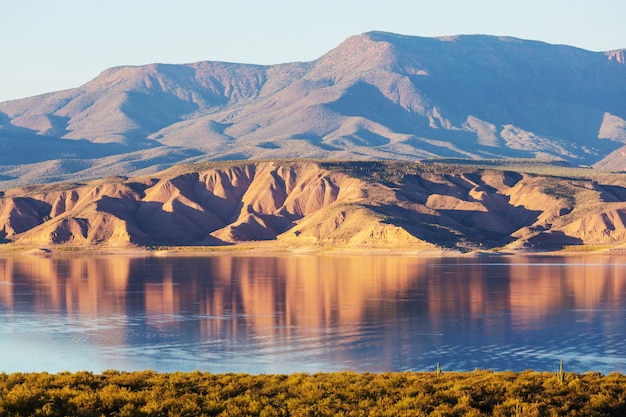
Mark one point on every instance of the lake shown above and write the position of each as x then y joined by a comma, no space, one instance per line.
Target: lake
307,313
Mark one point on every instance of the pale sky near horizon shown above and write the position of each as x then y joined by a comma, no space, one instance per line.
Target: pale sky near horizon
54,45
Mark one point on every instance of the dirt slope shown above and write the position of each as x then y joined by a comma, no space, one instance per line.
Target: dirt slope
323,205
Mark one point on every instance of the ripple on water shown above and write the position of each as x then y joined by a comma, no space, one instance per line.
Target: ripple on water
462,318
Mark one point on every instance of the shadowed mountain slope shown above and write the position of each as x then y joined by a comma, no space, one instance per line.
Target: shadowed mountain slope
326,205
376,96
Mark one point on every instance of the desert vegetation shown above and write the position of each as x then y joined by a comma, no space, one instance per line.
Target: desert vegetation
478,393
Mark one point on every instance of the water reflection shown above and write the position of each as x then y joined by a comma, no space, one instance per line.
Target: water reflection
311,313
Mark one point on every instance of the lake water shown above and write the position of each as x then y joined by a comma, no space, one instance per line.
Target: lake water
312,313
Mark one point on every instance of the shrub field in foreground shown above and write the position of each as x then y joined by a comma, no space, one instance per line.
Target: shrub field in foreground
475,393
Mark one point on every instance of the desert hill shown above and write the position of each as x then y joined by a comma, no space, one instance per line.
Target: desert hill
376,96
324,204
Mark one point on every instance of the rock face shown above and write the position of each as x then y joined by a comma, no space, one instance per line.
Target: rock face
324,204
376,96
238,203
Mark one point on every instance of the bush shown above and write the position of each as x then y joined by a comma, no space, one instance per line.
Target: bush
478,393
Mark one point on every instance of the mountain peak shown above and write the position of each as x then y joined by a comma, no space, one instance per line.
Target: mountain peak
377,95
365,47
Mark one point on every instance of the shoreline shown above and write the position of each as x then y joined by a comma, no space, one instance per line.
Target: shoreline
272,248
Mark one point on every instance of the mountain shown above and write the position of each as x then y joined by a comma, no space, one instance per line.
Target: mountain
327,205
376,96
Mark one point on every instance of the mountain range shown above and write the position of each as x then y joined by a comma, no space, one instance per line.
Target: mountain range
376,96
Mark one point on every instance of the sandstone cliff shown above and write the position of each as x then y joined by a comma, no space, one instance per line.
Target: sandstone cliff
324,204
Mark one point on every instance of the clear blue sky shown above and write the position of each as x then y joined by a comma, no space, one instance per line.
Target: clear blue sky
53,45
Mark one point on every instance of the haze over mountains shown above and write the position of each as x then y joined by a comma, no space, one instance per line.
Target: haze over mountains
375,96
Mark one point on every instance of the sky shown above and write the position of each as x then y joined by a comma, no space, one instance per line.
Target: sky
54,45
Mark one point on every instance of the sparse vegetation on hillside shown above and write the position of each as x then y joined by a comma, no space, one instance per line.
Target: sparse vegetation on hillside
41,189
393,171
396,170
478,393
183,169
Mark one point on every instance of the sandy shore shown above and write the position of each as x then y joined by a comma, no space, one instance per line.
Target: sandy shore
273,248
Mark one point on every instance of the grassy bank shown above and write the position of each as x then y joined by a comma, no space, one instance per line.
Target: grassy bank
325,394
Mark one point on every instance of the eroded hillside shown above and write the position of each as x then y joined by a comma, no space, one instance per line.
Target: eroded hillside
323,205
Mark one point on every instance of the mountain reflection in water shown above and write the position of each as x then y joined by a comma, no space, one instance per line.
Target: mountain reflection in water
312,313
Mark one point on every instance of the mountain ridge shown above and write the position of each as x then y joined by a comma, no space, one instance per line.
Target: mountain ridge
325,205
375,96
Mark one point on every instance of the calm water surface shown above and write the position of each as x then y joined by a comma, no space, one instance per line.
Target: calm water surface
312,313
